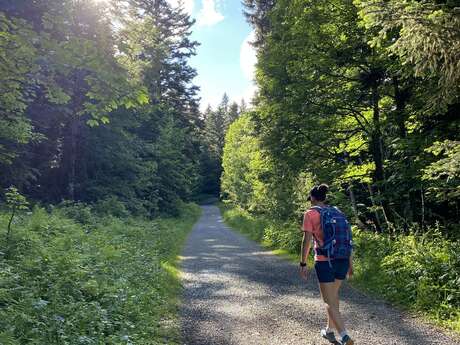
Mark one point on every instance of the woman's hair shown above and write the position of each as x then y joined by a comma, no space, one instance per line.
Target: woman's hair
319,192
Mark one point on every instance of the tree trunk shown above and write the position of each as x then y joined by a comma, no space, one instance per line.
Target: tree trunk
377,152
9,226
73,155
376,140
401,96
354,206
378,223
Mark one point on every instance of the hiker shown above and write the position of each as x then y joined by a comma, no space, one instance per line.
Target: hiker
331,232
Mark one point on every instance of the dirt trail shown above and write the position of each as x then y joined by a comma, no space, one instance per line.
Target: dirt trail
235,292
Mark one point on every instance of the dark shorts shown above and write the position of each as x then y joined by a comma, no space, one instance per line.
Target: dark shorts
326,274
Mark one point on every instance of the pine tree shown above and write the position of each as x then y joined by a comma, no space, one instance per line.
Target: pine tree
232,114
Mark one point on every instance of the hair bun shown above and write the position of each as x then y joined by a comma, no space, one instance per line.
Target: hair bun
323,188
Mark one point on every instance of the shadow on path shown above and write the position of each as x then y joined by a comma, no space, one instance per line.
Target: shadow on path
235,292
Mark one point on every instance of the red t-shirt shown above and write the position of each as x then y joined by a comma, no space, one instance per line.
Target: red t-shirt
312,224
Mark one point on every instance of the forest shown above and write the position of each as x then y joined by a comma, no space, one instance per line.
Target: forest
101,142
98,102
363,96
104,151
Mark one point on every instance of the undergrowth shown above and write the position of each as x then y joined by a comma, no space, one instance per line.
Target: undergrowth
74,276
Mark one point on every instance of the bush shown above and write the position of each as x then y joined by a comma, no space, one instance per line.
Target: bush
111,206
252,226
77,211
421,272
277,235
105,282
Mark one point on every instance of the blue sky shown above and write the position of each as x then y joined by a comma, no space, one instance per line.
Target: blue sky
224,60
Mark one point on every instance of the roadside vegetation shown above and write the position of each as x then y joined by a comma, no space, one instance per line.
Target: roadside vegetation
420,272
361,95
98,107
79,274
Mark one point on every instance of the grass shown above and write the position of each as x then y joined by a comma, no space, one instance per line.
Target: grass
420,273
74,277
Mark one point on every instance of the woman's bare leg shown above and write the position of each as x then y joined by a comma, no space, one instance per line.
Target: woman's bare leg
330,294
330,322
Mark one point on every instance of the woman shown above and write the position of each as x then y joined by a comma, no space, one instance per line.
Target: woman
331,272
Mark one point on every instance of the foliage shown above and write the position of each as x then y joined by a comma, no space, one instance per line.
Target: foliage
90,94
424,35
418,271
91,281
445,172
362,95
16,202
243,164
337,104
17,55
275,235
244,222
216,125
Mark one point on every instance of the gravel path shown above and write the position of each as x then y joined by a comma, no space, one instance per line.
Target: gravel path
235,292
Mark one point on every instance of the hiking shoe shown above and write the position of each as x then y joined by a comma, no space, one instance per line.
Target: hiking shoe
328,335
346,340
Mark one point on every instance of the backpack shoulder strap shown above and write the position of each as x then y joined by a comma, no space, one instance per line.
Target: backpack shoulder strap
317,208
320,211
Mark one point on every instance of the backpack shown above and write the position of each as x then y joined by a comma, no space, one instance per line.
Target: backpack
338,241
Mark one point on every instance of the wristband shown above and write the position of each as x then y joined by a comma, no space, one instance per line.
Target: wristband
303,264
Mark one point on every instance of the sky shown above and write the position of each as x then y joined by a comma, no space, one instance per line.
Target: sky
225,60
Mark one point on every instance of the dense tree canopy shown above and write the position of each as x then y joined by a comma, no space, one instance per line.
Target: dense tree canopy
98,101
216,124
359,94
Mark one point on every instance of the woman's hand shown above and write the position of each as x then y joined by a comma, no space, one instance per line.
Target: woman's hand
350,270
303,271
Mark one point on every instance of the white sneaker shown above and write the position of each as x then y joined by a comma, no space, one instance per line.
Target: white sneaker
330,336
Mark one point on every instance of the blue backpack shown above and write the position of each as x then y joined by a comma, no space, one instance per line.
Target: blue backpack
338,241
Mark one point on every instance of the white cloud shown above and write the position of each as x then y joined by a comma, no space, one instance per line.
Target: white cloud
209,15
250,93
248,60
187,4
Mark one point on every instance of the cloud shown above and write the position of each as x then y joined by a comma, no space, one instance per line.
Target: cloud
187,4
208,15
248,58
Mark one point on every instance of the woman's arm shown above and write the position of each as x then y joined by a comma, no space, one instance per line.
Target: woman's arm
350,268
305,249
306,243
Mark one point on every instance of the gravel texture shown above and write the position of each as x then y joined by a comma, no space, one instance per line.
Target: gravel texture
235,292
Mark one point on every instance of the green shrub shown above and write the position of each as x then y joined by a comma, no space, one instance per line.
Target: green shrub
279,235
111,206
283,236
421,272
252,226
105,282
77,211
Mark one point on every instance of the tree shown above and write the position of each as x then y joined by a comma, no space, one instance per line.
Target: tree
257,13
14,202
90,105
18,56
337,102
424,36
232,114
